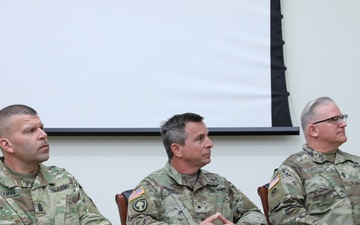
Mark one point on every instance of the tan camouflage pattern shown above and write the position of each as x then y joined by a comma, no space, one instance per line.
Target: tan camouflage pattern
55,198
166,200
313,190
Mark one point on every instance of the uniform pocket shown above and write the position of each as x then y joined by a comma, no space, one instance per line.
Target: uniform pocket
66,210
322,191
335,182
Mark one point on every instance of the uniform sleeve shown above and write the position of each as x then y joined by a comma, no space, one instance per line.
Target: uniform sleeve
245,211
87,211
286,196
144,205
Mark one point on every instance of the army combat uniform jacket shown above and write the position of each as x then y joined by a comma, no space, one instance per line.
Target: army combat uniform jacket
309,189
163,198
55,196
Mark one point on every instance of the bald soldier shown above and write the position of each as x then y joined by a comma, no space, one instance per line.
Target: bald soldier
320,184
183,193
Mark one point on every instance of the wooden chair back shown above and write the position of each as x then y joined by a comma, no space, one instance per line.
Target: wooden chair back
263,193
122,203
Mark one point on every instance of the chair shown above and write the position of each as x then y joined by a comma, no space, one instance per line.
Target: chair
122,203
263,193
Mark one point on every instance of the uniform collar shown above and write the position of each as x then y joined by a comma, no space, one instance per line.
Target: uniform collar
43,177
205,178
320,157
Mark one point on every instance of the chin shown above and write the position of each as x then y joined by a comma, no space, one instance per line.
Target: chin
208,161
44,158
344,138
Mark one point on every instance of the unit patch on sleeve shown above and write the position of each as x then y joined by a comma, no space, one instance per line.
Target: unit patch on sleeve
140,205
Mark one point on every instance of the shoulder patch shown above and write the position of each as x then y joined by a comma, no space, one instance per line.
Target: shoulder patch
274,182
136,193
276,193
140,205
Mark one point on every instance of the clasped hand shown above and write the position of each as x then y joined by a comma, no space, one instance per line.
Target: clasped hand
211,219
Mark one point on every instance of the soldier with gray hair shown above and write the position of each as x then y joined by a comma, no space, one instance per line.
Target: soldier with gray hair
183,193
30,192
320,184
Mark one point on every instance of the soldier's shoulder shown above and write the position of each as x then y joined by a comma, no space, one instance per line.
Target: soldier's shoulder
352,157
58,171
293,163
215,178
294,159
157,173
296,156
211,174
156,177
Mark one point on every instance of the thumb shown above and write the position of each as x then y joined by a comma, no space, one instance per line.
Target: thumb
224,220
212,217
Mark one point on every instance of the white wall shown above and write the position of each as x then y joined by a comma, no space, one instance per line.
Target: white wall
108,165
322,54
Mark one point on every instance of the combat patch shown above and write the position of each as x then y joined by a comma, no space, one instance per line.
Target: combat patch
136,193
274,181
140,205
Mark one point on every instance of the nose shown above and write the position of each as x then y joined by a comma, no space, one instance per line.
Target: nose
210,143
42,134
342,123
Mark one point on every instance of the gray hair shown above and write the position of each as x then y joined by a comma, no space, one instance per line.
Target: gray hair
173,130
309,112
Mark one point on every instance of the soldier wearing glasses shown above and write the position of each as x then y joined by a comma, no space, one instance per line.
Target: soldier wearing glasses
321,183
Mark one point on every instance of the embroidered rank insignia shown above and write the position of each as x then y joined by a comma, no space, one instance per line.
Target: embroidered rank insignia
136,193
274,182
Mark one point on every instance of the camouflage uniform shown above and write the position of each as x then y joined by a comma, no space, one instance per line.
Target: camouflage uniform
55,197
309,189
163,198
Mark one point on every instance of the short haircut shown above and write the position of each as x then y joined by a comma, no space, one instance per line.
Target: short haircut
10,111
173,130
310,113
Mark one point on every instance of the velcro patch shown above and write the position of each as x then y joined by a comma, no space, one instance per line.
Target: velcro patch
274,182
140,205
9,193
136,193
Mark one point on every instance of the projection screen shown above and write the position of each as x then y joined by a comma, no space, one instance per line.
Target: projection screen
123,67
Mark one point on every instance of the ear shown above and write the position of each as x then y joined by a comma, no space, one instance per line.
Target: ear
313,130
6,145
176,149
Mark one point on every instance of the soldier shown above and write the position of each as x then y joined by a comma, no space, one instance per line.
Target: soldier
30,192
321,183
183,193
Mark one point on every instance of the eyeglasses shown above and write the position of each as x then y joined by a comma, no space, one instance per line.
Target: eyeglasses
334,119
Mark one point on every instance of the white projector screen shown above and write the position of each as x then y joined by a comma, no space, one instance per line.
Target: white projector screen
116,64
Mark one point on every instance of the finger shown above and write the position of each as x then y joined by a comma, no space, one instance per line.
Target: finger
223,219
212,217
